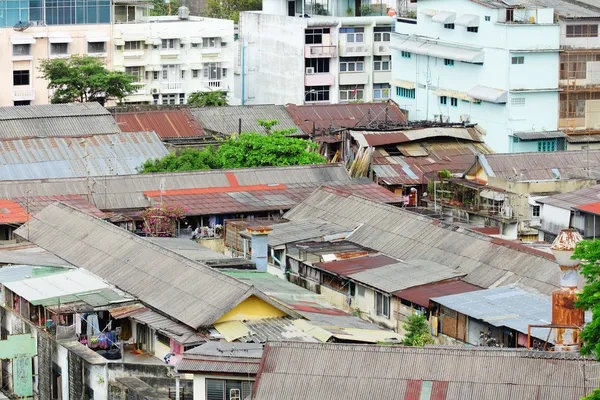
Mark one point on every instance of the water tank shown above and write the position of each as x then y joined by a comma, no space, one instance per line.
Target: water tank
183,12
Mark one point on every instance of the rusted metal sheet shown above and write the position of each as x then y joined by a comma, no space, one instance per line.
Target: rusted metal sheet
167,124
335,116
422,294
354,265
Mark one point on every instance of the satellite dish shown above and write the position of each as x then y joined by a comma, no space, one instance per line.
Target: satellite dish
21,26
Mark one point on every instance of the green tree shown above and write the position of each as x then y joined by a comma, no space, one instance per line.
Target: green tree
231,9
159,7
84,79
241,151
215,98
417,331
187,160
589,299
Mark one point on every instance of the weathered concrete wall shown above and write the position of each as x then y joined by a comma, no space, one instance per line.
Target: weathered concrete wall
76,383
44,344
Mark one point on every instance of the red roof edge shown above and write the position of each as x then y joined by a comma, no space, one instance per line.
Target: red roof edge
520,247
261,366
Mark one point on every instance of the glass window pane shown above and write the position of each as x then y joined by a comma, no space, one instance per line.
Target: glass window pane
215,389
233,390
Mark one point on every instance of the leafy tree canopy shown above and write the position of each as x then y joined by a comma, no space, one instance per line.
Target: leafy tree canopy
589,252
159,7
230,9
417,331
247,150
84,79
208,99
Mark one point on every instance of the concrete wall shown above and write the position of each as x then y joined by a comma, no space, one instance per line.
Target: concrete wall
499,42
273,58
40,50
554,219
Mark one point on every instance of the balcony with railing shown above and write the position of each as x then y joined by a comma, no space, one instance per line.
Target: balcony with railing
356,49
319,51
170,87
213,84
25,93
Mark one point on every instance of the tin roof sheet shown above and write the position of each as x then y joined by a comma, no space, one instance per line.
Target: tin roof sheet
503,306
181,333
12,213
295,231
326,371
409,236
573,199
402,275
198,295
567,9
577,164
225,120
98,155
355,265
168,124
422,294
56,120
335,116
15,273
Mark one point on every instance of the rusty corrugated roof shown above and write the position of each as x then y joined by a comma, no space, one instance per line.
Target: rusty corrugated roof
354,265
422,294
334,116
168,124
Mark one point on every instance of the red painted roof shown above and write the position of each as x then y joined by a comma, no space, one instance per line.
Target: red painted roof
421,294
168,124
37,203
593,208
489,230
253,198
342,115
12,212
355,265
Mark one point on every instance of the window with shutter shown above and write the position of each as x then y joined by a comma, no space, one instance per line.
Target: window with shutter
215,389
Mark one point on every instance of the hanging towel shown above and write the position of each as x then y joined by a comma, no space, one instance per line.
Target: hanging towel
77,318
93,328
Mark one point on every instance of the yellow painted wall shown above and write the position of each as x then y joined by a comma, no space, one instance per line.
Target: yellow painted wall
251,309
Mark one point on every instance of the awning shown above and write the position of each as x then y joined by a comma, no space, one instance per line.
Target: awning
96,37
454,93
532,200
22,39
468,20
60,38
119,42
440,51
196,66
492,195
195,40
403,84
153,68
444,17
488,94
153,41
134,37
428,11
185,66
540,135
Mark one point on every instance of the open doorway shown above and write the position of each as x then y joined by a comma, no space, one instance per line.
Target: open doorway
291,8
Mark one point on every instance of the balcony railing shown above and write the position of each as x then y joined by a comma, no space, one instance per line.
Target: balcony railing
213,84
23,94
170,87
322,51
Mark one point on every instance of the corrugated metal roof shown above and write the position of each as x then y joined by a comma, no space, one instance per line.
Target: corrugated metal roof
504,306
335,116
36,204
593,208
540,135
173,329
12,213
225,120
168,282
355,265
567,9
127,191
403,275
422,294
337,371
31,257
577,164
56,120
98,155
295,231
409,236
226,367
380,138
188,248
168,124
15,273
573,199
37,289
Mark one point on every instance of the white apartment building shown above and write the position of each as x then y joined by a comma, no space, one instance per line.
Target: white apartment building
486,61
172,56
324,57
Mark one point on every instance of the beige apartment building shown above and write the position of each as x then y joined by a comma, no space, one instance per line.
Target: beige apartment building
21,51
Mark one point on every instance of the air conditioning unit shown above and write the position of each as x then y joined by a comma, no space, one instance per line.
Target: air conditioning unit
381,48
310,70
